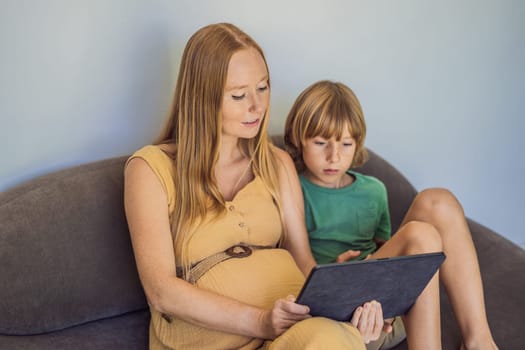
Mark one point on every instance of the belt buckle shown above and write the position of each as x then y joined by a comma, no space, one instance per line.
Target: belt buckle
238,251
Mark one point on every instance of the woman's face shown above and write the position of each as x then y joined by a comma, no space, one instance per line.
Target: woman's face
246,95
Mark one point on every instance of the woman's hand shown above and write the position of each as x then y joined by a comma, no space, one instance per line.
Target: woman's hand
284,314
368,319
387,327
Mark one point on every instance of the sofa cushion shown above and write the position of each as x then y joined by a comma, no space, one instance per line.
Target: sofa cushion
65,252
129,331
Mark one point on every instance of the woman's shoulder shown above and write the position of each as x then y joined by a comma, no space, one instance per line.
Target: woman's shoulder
159,158
156,160
282,156
161,152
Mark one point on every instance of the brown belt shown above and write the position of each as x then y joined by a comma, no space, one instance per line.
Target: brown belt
200,268
236,251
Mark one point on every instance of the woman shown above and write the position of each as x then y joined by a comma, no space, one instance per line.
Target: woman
216,214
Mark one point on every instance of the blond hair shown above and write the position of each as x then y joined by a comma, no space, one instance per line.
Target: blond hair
194,126
324,109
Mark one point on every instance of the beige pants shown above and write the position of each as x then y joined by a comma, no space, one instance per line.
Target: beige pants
388,341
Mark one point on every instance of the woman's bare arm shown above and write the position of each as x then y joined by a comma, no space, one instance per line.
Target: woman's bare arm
293,212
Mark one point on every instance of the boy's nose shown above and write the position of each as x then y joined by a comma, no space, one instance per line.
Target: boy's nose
333,155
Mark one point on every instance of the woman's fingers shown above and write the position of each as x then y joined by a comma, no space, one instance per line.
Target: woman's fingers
295,311
356,316
364,323
286,313
368,319
379,322
387,327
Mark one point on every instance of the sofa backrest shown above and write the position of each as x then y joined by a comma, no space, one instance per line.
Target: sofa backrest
401,192
65,251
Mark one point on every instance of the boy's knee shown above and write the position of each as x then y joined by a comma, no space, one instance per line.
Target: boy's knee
437,201
421,237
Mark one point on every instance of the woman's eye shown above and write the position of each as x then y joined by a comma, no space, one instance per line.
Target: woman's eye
238,97
262,88
347,144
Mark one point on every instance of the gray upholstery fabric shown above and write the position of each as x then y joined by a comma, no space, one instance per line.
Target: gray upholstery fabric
69,277
65,253
126,332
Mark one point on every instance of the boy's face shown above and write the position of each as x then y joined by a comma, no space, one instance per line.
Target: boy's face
327,160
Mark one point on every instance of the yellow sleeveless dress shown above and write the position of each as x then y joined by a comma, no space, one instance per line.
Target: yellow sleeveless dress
259,279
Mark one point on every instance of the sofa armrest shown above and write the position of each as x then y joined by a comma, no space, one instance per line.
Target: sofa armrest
502,265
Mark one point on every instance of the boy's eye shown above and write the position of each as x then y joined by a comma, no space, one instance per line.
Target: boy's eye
347,144
238,97
320,143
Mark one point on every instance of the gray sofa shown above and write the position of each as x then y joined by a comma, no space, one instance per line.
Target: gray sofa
69,279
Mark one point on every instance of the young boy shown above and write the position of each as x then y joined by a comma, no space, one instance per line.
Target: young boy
346,212
347,216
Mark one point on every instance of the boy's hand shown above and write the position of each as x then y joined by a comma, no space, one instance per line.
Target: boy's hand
348,255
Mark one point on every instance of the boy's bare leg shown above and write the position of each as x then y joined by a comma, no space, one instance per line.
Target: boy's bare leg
422,322
460,272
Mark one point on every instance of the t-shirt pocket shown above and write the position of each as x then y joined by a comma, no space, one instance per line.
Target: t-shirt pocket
367,219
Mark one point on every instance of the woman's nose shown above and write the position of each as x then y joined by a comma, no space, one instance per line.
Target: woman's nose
256,104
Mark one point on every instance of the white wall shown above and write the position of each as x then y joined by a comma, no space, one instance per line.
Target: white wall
441,83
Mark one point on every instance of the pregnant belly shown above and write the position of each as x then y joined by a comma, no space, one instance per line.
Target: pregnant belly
259,279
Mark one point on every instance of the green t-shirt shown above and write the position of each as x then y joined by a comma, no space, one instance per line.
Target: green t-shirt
339,219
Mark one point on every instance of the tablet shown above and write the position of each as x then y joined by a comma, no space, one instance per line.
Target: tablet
336,290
